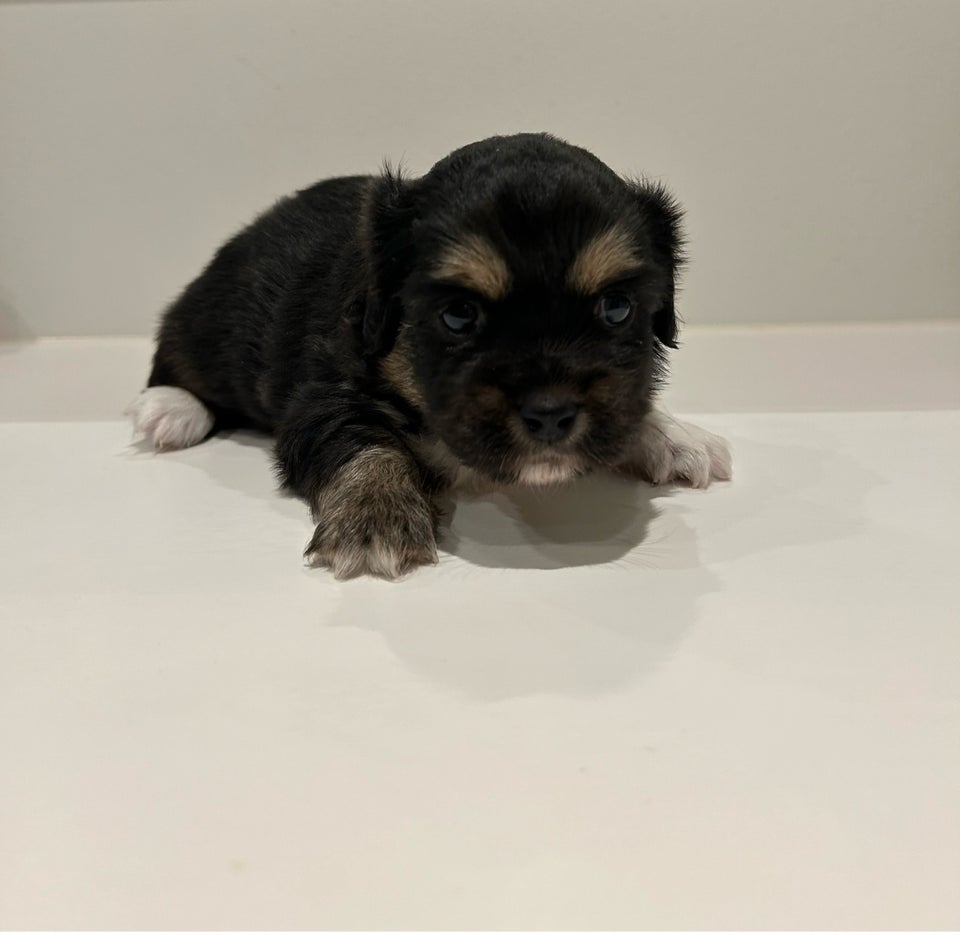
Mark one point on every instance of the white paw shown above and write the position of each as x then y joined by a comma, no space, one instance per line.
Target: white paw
170,418
669,450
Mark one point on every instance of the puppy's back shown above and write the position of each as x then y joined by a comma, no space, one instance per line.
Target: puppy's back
232,331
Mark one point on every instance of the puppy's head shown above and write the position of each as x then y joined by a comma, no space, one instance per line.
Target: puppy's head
525,293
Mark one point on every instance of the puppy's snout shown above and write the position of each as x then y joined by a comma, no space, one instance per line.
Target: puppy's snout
549,417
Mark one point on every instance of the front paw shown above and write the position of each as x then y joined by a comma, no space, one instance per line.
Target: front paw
374,518
669,450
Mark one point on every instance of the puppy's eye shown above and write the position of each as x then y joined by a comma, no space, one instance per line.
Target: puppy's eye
614,309
460,317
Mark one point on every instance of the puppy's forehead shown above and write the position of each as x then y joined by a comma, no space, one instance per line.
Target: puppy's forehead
544,225
529,212
579,262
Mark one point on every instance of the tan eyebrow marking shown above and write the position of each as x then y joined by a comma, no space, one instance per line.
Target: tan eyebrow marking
608,256
474,263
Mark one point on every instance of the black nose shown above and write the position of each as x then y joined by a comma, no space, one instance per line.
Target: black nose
548,418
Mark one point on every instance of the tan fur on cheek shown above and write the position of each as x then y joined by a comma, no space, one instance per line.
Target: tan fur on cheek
603,260
603,392
474,263
397,370
490,399
436,454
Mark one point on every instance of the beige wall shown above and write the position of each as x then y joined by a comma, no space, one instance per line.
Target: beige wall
815,144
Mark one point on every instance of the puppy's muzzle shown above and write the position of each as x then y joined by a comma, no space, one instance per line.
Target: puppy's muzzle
549,416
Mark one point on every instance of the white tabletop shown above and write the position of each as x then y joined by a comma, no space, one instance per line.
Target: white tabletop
608,706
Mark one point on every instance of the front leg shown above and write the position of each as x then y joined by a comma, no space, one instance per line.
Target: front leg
374,504
670,450
374,517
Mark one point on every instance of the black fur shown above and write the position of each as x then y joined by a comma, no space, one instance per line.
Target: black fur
288,327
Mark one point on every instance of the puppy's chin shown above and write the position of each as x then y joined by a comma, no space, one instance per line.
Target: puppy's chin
530,469
549,470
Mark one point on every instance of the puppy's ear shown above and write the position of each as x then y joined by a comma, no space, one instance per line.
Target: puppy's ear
662,216
388,241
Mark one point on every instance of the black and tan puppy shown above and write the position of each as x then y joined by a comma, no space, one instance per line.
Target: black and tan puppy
502,319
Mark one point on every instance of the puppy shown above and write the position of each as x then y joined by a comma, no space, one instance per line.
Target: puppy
501,320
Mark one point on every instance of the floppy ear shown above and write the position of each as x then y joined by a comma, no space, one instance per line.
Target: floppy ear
390,255
661,216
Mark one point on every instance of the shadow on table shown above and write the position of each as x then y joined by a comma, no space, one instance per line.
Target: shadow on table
579,590
573,590
595,521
